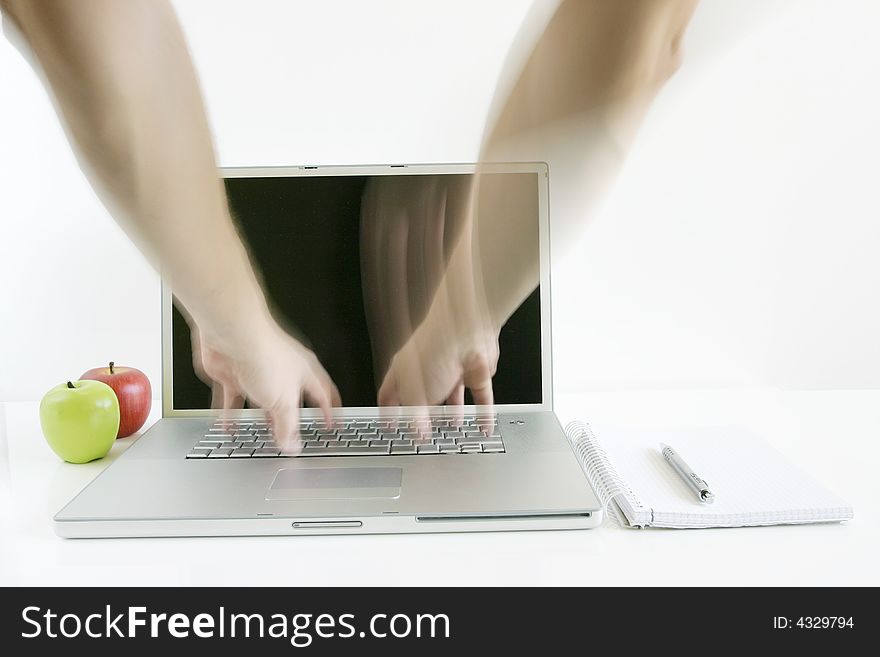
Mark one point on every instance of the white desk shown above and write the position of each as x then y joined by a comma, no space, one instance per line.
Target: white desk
833,435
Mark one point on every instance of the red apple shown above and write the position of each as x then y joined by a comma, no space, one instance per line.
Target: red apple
132,388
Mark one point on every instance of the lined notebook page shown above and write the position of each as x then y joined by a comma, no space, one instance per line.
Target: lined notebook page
753,483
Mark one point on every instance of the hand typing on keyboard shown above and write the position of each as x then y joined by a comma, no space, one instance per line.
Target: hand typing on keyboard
435,314
442,357
273,371
401,436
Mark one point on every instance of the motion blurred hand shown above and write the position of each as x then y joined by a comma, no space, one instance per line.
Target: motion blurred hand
273,371
433,330
440,359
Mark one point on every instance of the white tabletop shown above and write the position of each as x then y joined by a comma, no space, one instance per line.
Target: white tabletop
833,435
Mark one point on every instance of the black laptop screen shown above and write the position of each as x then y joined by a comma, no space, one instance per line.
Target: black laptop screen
317,251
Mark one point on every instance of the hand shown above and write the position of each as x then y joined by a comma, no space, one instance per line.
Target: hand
273,371
438,362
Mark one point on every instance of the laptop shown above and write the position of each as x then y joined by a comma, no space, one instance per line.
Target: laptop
376,469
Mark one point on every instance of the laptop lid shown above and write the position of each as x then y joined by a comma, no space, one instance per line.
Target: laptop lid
306,229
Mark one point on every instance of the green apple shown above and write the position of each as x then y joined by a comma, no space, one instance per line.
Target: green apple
80,420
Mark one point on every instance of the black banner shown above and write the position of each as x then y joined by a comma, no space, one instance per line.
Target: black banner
320,620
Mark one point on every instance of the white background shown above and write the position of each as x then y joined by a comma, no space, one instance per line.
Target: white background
738,249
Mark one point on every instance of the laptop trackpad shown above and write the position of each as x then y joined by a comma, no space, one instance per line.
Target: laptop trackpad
335,483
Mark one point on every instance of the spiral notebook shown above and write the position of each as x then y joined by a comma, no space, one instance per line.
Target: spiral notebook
753,484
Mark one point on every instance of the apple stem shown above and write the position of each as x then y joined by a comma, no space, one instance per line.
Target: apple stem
70,385
111,367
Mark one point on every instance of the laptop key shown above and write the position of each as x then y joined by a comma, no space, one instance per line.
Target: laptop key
397,448
250,444
219,453
330,450
428,449
471,449
380,443
266,451
239,453
450,449
346,451
199,452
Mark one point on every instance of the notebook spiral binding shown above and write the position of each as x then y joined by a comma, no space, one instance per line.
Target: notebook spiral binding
602,475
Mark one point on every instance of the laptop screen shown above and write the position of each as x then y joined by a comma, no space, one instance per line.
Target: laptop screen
341,257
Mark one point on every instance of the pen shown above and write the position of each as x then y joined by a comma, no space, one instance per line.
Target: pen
686,472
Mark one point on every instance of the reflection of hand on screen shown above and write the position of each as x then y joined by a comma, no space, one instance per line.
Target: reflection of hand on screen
435,297
430,325
440,360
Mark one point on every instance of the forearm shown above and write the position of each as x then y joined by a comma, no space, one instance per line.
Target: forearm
579,99
596,61
125,87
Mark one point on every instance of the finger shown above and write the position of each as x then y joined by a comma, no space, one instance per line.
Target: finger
457,402
457,396
482,392
478,379
232,398
216,395
319,395
335,397
420,420
487,423
333,393
387,395
217,402
285,426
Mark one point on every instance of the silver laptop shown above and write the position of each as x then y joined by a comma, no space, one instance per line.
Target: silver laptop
374,470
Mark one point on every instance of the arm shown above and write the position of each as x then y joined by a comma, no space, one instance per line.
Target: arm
581,95
125,87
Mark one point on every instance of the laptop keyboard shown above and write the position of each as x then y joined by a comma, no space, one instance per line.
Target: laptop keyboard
244,438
